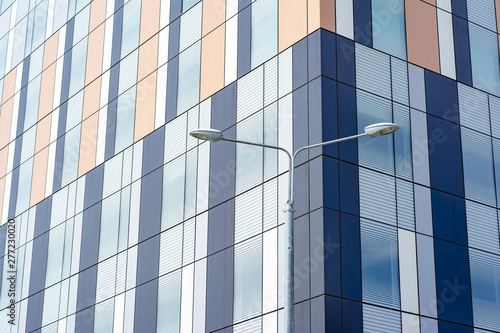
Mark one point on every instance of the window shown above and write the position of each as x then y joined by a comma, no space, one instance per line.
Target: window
484,59
264,32
188,92
388,24
169,302
125,120
131,26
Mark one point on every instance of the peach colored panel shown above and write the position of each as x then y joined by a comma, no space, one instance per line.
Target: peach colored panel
91,98
2,186
43,133
47,91
9,85
214,14
148,58
321,14
97,13
5,122
88,144
145,107
432,2
94,56
150,19
422,34
212,62
4,152
39,176
50,50
292,25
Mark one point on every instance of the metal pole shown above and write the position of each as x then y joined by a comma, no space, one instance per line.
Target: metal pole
289,261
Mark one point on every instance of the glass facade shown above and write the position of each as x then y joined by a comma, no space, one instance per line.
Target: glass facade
123,222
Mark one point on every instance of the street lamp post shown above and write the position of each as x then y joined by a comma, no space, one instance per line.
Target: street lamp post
213,135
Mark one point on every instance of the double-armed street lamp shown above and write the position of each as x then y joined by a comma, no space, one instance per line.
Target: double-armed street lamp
371,131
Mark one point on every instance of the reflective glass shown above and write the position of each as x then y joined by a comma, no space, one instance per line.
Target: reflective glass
3,54
71,156
388,27
110,219
191,175
402,142
40,22
249,159
188,90
169,302
24,186
55,255
496,154
78,65
32,100
131,26
484,59
186,4
379,263
264,32
103,321
173,193
125,119
124,218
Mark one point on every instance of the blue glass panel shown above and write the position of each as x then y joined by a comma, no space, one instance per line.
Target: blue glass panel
169,303
150,211
173,192
264,35
347,122
352,313
345,61
388,25
351,257
448,216
125,118
188,91
130,28
24,186
299,64
484,59
331,241
333,322
328,54
349,188
462,54
362,22
459,8
441,96
244,24
71,156
329,123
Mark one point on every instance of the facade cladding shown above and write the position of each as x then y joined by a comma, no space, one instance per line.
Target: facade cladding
125,223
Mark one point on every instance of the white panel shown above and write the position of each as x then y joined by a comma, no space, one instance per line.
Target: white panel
10,158
59,67
163,46
131,268
70,324
201,236
270,323
270,271
50,19
444,4
426,276
110,8
344,18
73,293
187,293
203,178
119,309
231,66
15,107
410,323
446,45
27,270
200,290
285,72
31,224
281,266
6,197
102,123
23,311
61,325
420,148
423,210
231,8
129,311
77,240
161,96
408,271
416,84
80,195
135,204
104,89
285,131
137,161
108,43
164,13
50,169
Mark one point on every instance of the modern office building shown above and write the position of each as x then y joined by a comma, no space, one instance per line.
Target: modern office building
121,222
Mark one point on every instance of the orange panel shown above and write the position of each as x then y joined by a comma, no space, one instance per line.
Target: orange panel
214,14
321,14
88,144
145,107
50,50
91,98
39,176
47,91
9,85
212,62
4,152
150,19
292,26
5,122
148,58
432,2
97,13
94,56
43,133
422,34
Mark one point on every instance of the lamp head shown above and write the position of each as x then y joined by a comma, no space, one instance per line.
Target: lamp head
379,129
207,134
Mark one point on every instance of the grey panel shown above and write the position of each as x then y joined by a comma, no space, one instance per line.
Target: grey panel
423,209
34,312
42,216
146,307
221,227
224,107
86,289
315,116
84,321
222,170
90,236
420,147
39,263
302,320
152,157
150,211
299,63
428,325
147,259
417,87
318,314
426,276
316,183
301,184
93,186
317,254
300,123
301,259
219,304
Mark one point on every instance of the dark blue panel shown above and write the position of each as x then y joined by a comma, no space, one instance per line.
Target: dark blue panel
175,10
13,194
93,186
90,236
109,148
87,280
223,108
222,170
150,211
459,8
448,217
441,96
315,116
462,50
66,74
244,28
34,312
70,28
63,115
314,54
173,73
352,317
349,196
116,46
23,95
446,327
147,259
445,156
39,263
330,182
363,22
42,216
220,227
345,61
331,252
146,298
58,164
153,148
452,282
351,257
300,125
328,54
347,122
219,304
84,321
329,115
174,38
243,3
118,3
299,65
17,151
333,322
